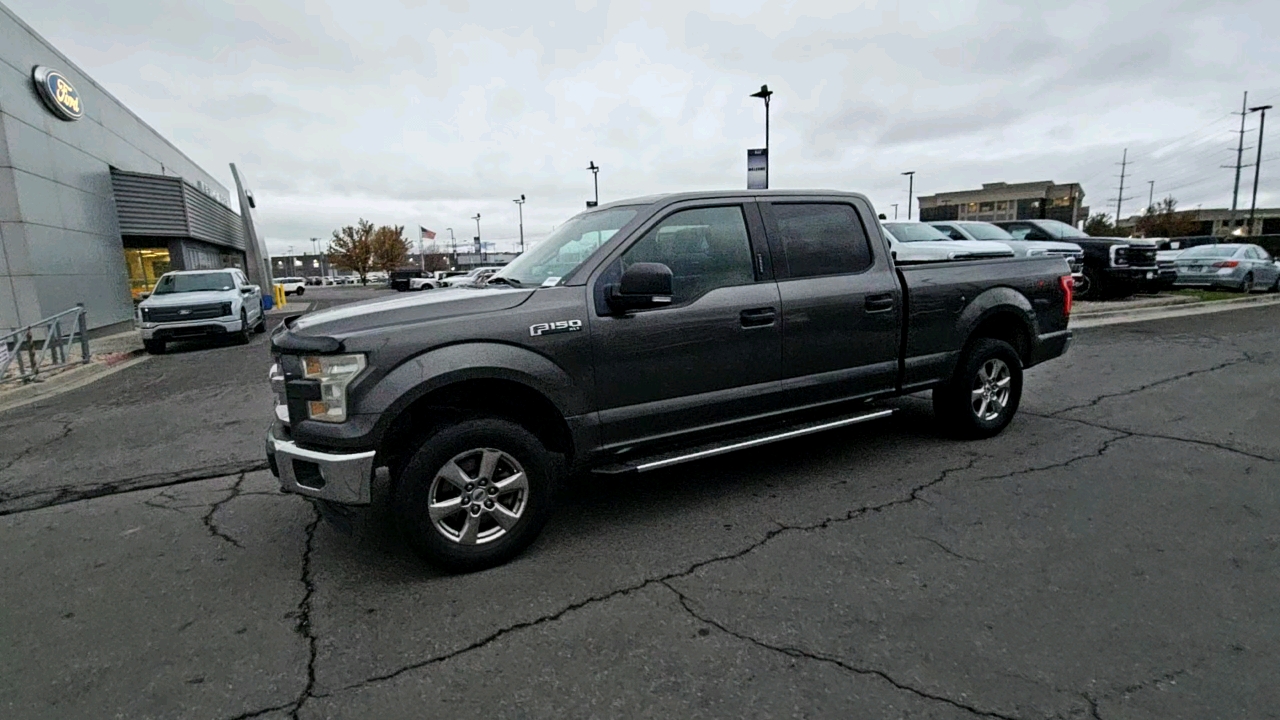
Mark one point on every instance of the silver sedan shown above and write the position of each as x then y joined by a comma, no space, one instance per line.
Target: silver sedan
1236,266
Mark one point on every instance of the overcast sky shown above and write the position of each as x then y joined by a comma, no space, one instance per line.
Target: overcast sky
420,112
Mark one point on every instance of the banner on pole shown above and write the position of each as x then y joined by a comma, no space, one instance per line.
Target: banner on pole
757,169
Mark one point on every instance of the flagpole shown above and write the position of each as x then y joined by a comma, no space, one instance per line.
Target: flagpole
422,259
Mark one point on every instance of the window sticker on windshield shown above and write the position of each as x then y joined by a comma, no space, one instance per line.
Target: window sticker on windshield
551,281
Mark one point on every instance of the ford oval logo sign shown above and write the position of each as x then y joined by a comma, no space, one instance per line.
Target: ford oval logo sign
58,93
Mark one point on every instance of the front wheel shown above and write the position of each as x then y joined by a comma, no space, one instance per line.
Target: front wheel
299,291
154,347
245,333
476,493
982,396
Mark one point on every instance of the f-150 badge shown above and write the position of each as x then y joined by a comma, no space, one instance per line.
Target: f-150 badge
551,328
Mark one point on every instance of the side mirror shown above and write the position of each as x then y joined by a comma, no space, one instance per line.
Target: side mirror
248,290
144,295
643,285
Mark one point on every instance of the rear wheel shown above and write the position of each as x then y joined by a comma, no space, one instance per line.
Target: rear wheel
1246,286
154,347
299,291
982,396
476,493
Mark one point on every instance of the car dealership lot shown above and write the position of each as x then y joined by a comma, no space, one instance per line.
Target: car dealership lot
1113,554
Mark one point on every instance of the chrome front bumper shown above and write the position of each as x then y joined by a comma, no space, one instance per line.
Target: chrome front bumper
341,478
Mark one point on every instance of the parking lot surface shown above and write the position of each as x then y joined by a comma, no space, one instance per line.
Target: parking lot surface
1113,554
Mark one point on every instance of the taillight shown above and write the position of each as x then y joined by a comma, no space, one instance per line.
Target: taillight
1226,263
1068,285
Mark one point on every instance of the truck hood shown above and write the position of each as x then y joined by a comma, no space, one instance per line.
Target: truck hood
410,309
1050,245
939,250
203,297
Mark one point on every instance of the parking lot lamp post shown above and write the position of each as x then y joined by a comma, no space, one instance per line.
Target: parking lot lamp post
453,243
1257,164
595,179
895,211
520,204
764,94
477,219
911,183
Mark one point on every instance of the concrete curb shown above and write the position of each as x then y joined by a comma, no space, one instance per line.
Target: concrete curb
1162,312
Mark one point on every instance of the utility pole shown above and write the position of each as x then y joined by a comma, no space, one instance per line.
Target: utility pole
1151,195
911,184
1120,198
1235,192
478,245
520,204
1257,164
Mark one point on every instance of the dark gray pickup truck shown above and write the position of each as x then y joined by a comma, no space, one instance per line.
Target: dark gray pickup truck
639,335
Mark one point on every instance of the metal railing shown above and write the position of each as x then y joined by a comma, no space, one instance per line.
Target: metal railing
44,346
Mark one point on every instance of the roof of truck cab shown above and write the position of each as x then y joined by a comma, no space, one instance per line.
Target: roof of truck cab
669,198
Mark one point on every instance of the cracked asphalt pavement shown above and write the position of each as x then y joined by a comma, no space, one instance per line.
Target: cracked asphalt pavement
1114,554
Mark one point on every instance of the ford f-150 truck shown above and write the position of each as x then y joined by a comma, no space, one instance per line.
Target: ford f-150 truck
640,335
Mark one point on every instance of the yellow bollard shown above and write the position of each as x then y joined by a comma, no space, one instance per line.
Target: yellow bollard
278,291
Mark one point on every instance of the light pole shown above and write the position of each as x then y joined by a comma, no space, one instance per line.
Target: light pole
315,250
895,211
595,180
764,94
911,184
477,219
520,204
1151,195
453,243
1257,164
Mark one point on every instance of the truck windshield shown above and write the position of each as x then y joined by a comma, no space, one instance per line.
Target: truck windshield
986,231
194,283
566,248
914,232
1060,229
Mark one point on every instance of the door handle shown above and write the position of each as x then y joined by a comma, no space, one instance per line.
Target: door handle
879,303
758,317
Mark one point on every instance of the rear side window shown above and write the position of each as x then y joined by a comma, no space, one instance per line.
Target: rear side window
821,239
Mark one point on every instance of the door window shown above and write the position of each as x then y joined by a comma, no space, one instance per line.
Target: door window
1019,232
952,232
706,248
821,239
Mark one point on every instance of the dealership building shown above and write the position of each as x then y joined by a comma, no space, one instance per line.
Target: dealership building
95,204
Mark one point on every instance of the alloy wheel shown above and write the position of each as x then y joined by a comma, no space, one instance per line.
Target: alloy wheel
478,496
991,386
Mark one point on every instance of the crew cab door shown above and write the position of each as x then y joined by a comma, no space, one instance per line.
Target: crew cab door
841,301
710,357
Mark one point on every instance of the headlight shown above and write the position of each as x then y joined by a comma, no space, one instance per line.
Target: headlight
226,309
146,313
334,372
1119,254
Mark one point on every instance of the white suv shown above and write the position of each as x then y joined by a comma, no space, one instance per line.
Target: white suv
200,303
292,285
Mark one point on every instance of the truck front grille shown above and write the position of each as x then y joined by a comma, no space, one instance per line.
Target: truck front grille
1142,257
186,312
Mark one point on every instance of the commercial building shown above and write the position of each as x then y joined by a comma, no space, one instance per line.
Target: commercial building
94,203
1003,201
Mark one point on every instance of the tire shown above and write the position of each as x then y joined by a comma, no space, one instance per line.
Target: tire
1246,286
465,539
1094,286
299,291
154,347
261,327
243,336
1275,286
954,403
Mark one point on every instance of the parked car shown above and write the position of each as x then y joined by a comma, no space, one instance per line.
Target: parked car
476,276
1113,267
920,242
200,303
1238,266
969,230
637,336
292,285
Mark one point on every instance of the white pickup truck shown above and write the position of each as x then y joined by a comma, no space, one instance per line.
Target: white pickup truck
200,303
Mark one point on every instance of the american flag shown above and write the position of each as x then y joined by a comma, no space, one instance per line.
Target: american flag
427,234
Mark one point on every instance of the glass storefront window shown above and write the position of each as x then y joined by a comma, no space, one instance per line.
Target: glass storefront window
145,268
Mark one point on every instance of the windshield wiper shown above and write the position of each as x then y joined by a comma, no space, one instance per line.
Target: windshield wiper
509,281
